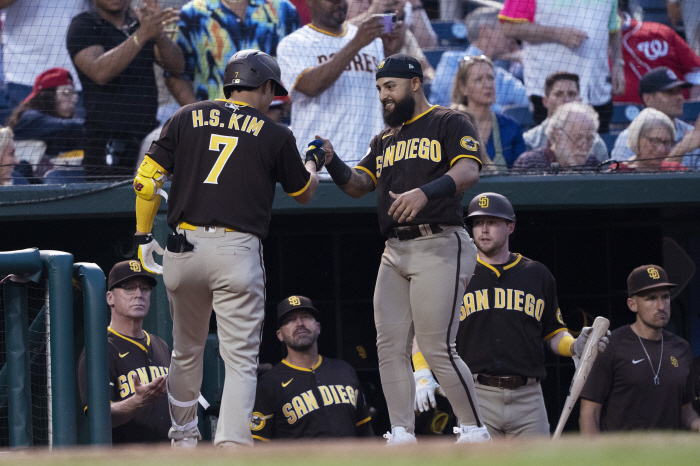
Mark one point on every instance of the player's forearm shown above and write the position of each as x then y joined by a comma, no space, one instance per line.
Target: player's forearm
319,78
689,418
562,344
465,173
307,195
124,411
534,33
589,419
170,55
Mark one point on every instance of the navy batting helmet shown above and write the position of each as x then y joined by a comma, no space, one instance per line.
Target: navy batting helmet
491,204
252,68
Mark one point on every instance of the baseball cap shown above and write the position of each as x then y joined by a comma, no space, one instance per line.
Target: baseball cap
125,270
646,277
52,77
660,79
400,65
294,303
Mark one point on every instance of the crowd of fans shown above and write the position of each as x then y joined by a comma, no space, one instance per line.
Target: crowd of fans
88,84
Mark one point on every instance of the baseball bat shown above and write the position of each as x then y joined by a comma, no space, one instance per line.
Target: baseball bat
590,352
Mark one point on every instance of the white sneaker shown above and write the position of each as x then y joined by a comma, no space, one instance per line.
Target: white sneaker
398,435
185,443
472,434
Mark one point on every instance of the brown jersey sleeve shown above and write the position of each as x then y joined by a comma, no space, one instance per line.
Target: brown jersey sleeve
552,321
461,139
290,170
162,150
368,164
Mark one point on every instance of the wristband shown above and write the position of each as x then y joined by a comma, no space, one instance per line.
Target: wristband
442,187
340,172
565,345
419,362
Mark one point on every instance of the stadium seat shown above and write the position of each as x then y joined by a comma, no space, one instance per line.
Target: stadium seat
623,114
451,33
691,110
433,55
521,114
609,140
65,176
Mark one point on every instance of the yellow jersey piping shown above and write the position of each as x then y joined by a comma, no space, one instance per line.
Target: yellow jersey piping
313,368
368,172
234,102
301,190
261,438
515,262
564,329
148,339
345,30
416,117
364,421
478,259
465,156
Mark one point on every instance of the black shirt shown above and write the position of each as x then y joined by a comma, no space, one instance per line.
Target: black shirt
148,358
295,402
129,102
225,159
622,380
507,311
418,152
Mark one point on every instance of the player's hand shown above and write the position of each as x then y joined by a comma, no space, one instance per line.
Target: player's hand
327,148
572,37
407,205
580,342
147,246
426,386
146,394
618,79
154,20
368,30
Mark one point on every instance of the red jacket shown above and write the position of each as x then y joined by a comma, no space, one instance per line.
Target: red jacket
646,46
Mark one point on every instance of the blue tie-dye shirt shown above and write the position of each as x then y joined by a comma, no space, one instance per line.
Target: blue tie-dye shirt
209,33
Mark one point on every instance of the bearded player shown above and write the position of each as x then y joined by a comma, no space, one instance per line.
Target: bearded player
421,164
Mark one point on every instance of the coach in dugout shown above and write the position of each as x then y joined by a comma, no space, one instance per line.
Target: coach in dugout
306,395
138,361
642,380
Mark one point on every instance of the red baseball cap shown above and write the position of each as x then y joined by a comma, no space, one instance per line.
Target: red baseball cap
52,77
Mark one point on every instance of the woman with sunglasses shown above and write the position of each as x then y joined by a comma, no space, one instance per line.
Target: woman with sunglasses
474,92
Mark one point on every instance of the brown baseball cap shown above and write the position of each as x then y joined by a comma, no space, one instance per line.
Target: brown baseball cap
294,303
646,277
125,270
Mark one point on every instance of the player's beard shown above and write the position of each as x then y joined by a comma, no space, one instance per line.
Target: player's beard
491,248
403,111
302,342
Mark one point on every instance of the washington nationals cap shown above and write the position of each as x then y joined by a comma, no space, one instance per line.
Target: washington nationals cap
492,204
400,65
123,271
646,277
52,77
660,79
294,303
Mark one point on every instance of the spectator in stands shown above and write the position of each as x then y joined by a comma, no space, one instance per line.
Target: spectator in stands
651,137
647,45
138,361
34,40
689,11
486,37
329,65
475,91
410,11
47,115
8,161
571,132
211,32
114,49
560,88
660,89
575,38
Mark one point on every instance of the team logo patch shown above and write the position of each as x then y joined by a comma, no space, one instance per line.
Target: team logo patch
483,202
135,266
236,81
671,75
258,421
560,319
653,273
469,143
381,65
674,361
138,186
294,301
410,67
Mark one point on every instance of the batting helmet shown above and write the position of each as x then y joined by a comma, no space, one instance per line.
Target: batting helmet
252,68
491,204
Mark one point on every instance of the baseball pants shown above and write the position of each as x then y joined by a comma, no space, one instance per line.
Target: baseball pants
511,413
225,272
419,289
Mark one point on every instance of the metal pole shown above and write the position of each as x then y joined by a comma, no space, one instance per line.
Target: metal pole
60,265
96,351
17,343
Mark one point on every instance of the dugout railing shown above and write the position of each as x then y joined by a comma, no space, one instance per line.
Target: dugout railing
57,271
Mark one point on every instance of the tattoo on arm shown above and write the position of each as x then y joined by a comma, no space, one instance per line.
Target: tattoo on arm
360,183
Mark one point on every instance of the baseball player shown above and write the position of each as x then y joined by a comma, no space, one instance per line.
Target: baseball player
509,310
306,395
225,157
138,361
420,164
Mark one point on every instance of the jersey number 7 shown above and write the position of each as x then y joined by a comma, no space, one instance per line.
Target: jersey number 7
215,143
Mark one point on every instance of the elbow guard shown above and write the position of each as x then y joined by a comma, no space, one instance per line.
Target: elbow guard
149,180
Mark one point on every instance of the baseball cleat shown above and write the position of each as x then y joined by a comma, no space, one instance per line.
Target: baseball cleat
398,436
472,434
185,443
